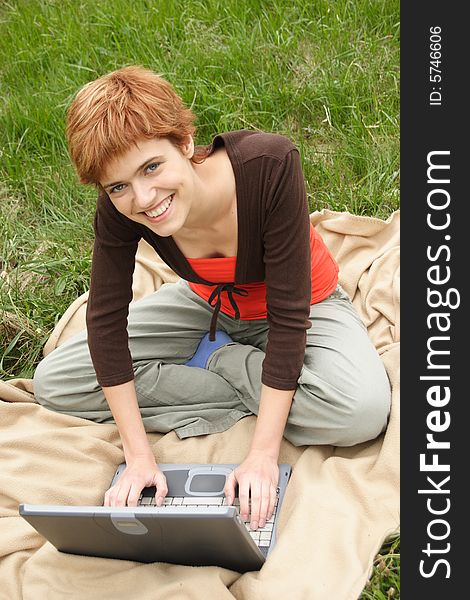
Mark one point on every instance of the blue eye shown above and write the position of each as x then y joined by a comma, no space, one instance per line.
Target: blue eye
152,167
117,188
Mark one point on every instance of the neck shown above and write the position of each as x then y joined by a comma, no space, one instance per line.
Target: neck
213,194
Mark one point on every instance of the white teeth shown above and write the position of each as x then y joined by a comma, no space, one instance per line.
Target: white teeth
161,209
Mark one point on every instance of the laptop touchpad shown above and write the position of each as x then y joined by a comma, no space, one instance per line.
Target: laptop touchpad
206,482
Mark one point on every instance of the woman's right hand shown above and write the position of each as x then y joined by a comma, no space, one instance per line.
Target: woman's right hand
141,471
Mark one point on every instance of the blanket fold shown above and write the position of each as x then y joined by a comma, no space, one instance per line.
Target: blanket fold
340,504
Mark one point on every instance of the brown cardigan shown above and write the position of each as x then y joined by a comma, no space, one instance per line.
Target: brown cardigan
273,246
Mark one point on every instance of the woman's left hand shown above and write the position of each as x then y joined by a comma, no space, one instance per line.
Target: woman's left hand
257,477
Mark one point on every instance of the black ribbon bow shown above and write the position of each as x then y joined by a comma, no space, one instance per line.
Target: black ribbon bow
216,302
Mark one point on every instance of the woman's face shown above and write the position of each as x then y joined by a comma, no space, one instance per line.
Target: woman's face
152,184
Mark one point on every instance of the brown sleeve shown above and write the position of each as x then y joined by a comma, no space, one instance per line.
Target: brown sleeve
286,238
113,264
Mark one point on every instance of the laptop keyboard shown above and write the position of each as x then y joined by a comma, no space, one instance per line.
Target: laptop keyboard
262,536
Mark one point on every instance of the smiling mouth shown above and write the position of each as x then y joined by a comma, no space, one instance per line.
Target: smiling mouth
162,207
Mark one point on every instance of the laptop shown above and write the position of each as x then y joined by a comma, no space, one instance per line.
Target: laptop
195,526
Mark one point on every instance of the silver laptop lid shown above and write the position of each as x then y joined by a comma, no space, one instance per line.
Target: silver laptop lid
211,535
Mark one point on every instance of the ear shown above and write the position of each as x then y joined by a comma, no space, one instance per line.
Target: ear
187,147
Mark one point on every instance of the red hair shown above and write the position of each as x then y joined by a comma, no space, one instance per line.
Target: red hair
110,114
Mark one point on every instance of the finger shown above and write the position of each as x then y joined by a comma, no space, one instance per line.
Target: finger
229,488
160,496
244,496
134,494
255,503
110,496
162,488
264,504
107,501
120,499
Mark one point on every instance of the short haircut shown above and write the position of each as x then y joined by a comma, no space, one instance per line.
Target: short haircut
112,113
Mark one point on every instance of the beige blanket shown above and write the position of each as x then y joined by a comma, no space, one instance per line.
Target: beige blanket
340,505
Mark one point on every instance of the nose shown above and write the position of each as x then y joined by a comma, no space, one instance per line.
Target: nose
145,195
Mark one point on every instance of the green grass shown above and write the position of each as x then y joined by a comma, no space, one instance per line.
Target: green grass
324,73
385,580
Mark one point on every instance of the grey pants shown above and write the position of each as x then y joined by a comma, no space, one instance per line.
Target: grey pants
342,396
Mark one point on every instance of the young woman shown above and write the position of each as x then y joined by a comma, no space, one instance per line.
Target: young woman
257,324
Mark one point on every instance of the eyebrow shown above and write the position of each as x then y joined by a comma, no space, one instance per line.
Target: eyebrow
149,160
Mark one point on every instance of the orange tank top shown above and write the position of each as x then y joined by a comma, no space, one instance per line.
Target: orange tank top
253,305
